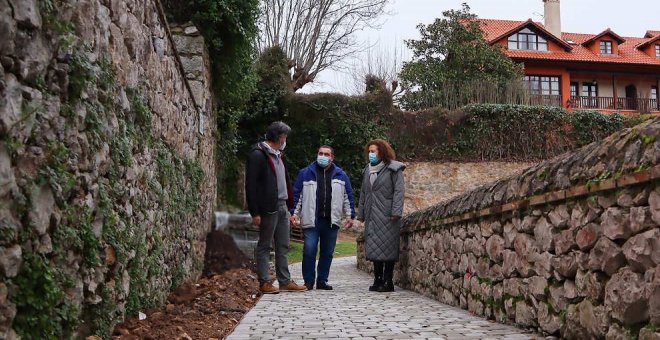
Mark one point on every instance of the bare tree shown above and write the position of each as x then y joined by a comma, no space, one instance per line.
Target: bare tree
383,63
316,34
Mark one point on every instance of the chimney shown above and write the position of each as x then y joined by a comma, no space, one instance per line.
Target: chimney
552,17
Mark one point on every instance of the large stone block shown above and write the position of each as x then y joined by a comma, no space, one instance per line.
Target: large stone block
525,314
626,297
509,233
26,13
557,298
495,248
585,321
549,322
565,241
544,234
6,172
524,246
543,264
616,224
643,250
648,334
565,265
515,287
654,205
654,294
606,256
537,286
641,219
588,284
509,263
587,236
10,260
559,216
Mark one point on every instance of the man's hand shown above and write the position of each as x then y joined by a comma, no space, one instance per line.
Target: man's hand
294,221
256,220
395,218
348,224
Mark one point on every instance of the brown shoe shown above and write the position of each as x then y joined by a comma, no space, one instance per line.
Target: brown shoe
293,287
268,288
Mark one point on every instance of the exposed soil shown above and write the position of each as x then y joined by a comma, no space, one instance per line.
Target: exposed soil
222,254
207,309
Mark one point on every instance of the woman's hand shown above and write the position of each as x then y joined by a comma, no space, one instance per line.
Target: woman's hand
348,224
294,221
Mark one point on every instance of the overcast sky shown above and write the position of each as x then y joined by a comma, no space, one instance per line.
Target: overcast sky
630,18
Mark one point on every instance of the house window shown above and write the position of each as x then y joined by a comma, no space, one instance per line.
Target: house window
654,92
589,95
574,89
606,47
526,39
657,51
590,89
543,85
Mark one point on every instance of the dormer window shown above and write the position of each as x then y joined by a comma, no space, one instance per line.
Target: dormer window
605,47
657,51
527,39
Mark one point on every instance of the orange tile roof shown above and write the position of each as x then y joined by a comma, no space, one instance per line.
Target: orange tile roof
627,54
651,34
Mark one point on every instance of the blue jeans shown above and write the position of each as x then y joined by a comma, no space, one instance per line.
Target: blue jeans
326,235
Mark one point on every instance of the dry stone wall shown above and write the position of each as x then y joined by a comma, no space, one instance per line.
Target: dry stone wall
428,183
570,246
107,183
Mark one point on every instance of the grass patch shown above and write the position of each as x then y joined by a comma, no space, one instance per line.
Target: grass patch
342,249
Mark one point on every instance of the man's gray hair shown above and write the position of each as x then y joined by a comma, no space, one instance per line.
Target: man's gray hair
276,130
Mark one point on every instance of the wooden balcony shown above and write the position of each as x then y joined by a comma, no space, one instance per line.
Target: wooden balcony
544,100
642,105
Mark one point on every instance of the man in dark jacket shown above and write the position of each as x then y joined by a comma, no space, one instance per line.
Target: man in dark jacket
322,196
268,193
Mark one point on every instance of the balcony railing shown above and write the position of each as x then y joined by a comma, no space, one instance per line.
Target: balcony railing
642,105
544,99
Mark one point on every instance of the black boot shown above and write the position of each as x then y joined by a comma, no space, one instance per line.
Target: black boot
323,285
378,276
388,274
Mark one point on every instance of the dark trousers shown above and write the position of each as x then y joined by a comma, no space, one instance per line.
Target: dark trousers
324,234
384,270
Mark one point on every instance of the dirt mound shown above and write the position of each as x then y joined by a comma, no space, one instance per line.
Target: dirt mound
222,254
207,309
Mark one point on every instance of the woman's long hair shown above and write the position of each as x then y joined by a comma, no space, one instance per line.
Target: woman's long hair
385,151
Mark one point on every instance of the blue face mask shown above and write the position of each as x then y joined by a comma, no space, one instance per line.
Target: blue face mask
373,159
323,161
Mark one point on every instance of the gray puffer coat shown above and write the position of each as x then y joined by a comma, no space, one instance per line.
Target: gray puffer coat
378,203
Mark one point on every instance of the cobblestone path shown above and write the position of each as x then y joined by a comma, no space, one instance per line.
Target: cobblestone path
350,311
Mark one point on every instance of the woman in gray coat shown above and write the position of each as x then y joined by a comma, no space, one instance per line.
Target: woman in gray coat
380,208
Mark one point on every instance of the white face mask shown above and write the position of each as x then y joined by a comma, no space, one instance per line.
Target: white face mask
283,146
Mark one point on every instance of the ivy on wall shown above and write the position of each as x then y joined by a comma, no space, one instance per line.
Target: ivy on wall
128,248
